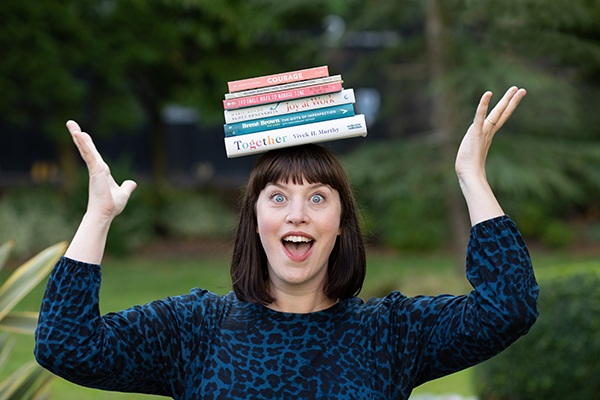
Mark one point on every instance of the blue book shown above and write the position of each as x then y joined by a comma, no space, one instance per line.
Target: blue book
289,120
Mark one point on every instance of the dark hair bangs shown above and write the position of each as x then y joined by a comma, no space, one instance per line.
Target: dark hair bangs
312,163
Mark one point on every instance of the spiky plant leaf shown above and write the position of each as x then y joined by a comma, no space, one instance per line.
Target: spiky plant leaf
30,382
42,387
27,276
7,343
5,252
26,390
22,382
20,322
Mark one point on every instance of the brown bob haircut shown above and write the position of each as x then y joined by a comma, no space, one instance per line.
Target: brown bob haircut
312,164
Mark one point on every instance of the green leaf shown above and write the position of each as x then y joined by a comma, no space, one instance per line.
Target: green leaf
7,343
27,276
21,383
34,382
42,392
30,382
20,322
5,252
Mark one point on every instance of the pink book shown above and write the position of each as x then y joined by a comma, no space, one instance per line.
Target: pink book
281,96
278,79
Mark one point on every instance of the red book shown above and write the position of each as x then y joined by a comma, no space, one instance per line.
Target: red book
278,79
281,96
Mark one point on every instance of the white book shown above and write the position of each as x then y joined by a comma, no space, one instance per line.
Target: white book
289,106
341,128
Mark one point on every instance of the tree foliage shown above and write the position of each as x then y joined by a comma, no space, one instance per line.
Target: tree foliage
548,152
557,359
115,64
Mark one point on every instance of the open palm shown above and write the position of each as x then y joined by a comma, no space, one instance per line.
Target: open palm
106,197
474,148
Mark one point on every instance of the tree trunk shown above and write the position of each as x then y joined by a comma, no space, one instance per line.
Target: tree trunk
68,164
159,148
445,118
158,136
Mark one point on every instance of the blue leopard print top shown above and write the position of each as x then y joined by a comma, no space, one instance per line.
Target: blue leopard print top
205,346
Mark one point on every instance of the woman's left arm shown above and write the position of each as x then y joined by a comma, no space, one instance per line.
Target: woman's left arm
470,160
456,332
466,330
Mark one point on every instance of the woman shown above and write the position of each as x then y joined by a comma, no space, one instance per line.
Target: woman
292,327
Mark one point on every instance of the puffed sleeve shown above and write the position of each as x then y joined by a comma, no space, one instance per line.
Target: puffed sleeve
501,307
136,350
440,335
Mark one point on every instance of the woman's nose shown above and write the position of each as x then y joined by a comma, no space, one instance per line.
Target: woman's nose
297,213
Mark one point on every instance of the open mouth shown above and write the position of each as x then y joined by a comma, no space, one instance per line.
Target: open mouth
297,245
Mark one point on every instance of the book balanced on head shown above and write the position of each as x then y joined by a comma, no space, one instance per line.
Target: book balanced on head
288,109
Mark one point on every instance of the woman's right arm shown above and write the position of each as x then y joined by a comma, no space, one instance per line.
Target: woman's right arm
106,200
142,349
126,351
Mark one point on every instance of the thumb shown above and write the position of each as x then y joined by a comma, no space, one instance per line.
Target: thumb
128,187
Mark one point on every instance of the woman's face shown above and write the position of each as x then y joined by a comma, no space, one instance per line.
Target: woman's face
298,226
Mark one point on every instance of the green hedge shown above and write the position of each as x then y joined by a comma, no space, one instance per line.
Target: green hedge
559,359
35,217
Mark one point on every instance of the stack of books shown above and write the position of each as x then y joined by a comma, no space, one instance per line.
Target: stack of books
288,109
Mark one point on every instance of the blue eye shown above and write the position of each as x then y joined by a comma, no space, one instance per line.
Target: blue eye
278,198
316,199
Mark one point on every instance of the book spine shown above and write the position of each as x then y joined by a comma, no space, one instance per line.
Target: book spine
307,117
279,96
277,79
287,107
236,146
279,88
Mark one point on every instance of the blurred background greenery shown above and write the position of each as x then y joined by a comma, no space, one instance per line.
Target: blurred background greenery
146,80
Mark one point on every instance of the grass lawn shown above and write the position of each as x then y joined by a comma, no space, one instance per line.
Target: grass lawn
136,280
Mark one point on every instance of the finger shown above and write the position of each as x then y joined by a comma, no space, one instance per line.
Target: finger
122,194
73,126
482,108
496,114
128,187
512,105
74,130
85,145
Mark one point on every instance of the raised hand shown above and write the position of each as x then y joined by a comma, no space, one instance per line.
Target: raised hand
476,142
470,160
106,200
105,195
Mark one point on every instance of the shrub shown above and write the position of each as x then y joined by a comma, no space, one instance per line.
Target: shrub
34,219
558,359
196,215
542,223
558,234
413,224
406,203
592,233
135,226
